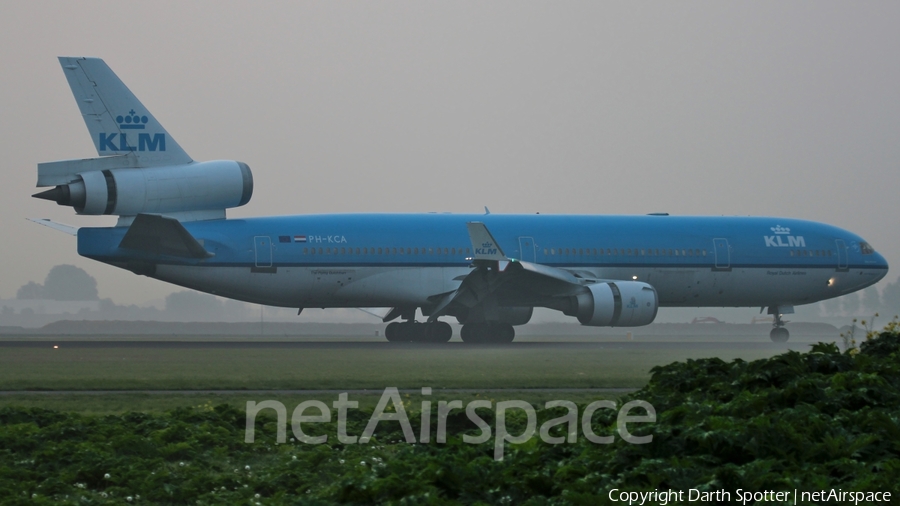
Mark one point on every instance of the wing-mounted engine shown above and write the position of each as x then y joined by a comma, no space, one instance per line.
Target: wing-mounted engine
617,304
213,185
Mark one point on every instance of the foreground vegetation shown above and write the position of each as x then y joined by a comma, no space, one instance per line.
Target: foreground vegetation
807,421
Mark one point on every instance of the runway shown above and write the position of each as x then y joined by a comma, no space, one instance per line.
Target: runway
317,365
171,344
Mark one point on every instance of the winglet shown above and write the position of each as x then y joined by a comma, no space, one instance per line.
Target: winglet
483,243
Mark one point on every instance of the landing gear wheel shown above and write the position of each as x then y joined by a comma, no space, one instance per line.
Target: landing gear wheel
779,335
473,332
392,332
402,332
438,332
503,333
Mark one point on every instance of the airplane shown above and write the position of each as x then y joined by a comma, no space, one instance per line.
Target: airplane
488,271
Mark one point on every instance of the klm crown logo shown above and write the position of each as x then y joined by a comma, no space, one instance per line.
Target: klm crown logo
120,142
778,229
132,121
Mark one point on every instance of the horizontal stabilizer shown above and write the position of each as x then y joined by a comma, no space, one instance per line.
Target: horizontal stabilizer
66,171
159,235
68,229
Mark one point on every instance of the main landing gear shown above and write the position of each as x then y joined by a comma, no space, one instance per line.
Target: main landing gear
414,332
487,333
779,334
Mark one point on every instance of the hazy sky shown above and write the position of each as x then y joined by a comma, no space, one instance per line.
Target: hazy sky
711,108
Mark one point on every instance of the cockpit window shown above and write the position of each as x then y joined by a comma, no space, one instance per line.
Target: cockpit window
866,249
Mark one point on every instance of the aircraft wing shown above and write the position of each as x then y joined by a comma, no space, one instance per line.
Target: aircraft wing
159,235
499,279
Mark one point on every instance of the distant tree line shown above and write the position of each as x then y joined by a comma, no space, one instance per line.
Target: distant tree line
63,282
71,283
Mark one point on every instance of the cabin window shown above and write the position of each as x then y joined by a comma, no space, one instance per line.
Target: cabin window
546,252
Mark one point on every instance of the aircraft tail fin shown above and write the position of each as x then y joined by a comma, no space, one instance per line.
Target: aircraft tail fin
118,122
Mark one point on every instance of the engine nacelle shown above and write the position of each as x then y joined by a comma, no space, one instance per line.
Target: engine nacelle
617,304
219,184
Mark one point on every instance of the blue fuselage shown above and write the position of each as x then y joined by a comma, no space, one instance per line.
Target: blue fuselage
390,260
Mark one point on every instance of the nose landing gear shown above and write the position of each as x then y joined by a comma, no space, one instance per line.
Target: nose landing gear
779,334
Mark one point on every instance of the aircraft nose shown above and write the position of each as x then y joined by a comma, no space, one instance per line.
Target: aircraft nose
881,264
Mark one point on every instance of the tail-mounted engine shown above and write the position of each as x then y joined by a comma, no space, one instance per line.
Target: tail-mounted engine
214,185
